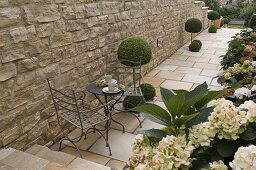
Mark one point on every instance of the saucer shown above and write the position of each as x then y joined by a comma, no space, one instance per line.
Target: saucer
106,90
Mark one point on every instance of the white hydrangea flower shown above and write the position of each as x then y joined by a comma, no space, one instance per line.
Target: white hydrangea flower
172,153
253,88
250,106
249,30
142,167
142,152
202,134
218,165
253,63
228,120
245,158
242,92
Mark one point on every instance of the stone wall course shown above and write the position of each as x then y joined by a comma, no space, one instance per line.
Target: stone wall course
69,41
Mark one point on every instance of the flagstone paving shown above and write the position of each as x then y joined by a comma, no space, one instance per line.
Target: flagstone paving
182,70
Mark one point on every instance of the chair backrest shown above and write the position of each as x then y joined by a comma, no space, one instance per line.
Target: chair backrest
63,101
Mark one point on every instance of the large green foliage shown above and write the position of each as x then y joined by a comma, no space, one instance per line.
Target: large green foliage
233,12
184,108
212,4
132,50
246,13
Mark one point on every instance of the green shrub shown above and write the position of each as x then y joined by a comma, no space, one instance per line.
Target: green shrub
246,14
133,101
212,29
199,42
132,49
193,25
194,47
148,91
226,20
213,15
230,12
212,4
252,22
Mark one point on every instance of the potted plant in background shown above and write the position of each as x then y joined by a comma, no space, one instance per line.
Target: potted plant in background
134,52
213,15
194,25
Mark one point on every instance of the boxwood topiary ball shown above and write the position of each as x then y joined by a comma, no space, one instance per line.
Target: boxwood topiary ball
132,49
213,15
226,20
193,25
132,101
148,91
199,42
212,29
194,47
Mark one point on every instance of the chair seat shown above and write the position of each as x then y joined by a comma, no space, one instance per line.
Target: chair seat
88,119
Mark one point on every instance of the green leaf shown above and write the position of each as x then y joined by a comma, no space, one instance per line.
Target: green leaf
157,133
200,118
166,97
199,90
154,113
181,91
226,148
182,120
176,104
249,134
209,97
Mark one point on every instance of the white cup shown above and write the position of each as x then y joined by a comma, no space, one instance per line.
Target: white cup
112,86
108,78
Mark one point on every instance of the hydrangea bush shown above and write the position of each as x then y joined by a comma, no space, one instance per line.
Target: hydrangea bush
206,130
201,143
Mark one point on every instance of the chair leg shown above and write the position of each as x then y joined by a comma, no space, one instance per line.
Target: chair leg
119,124
72,144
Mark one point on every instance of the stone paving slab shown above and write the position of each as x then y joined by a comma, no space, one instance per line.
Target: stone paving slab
54,156
24,161
81,164
119,142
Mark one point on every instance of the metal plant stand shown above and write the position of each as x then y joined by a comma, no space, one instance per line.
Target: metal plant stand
121,72
70,107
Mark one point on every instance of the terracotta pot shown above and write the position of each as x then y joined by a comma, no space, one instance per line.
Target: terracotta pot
216,23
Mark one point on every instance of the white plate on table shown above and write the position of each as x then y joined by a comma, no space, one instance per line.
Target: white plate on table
106,90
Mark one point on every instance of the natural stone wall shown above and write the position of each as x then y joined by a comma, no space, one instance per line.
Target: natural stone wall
67,41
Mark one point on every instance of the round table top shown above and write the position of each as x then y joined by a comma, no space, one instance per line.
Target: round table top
94,89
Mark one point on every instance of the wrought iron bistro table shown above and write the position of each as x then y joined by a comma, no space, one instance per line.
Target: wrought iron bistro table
108,105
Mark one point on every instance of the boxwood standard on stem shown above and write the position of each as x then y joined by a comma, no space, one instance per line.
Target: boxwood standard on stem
132,50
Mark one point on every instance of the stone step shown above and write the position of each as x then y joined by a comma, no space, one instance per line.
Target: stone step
40,157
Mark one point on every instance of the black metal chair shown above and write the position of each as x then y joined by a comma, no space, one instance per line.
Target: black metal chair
69,106
120,71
